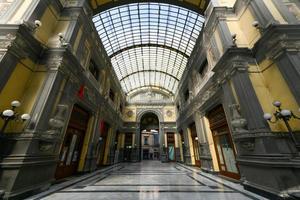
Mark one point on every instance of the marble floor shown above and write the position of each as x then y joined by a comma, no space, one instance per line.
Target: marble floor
148,180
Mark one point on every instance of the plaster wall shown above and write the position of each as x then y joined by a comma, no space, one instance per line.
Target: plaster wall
269,86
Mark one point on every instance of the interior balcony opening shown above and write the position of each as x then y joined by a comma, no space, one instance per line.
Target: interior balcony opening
150,137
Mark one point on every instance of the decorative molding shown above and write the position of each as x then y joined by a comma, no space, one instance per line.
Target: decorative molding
7,40
276,40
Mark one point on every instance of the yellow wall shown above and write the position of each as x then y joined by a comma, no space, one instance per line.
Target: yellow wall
269,86
234,28
120,143
129,118
49,22
23,85
171,118
250,33
180,145
191,149
85,146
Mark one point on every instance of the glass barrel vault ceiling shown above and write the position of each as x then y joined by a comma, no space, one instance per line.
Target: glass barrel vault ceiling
149,43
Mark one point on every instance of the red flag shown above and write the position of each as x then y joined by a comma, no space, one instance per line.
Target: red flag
80,92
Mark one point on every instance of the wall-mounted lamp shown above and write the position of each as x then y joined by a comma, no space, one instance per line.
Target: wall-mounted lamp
285,115
33,26
37,23
257,25
196,138
62,40
233,36
10,114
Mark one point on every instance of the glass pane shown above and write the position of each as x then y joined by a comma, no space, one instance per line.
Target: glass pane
228,154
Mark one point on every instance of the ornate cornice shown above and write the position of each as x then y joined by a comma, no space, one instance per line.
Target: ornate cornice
18,40
277,39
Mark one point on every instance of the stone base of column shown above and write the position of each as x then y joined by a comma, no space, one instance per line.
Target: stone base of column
269,164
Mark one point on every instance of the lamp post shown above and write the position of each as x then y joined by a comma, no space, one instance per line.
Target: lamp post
10,114
285,115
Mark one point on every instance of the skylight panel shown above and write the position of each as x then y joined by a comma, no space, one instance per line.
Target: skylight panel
149,43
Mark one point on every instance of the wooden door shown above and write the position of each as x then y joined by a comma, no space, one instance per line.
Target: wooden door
72,144
223,143
195,142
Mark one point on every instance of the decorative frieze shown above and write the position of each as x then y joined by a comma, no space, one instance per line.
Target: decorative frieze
6,40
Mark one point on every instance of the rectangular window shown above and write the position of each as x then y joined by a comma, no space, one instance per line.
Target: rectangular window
111,95
146,142
203,68
94,70
186,95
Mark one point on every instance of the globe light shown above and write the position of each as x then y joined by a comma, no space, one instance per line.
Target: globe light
196,138
15,104
286,113
25,117
277,103
267,116
8,113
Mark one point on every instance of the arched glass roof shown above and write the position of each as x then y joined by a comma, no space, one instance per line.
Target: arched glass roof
148,43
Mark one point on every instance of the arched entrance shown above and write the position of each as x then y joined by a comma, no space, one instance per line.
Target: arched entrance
149,137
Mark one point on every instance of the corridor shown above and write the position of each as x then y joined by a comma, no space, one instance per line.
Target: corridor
147,180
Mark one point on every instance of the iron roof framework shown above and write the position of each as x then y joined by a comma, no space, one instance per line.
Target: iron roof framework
149,43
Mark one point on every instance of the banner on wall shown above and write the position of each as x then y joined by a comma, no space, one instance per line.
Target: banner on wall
102,127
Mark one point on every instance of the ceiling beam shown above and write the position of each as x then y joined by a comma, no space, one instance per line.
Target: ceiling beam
180,3
150,86
149,70
149,45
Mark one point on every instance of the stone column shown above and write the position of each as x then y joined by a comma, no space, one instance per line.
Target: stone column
46,101
205,155
248,101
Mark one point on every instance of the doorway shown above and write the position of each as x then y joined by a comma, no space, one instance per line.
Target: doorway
149,144
223,143
128,146
72,143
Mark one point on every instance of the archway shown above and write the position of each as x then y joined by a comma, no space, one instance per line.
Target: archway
149,137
